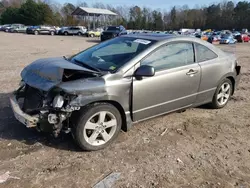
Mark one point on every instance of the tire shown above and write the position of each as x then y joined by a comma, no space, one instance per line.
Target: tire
217,102
66,33
36,33
82,135
92,35
79,34
52,33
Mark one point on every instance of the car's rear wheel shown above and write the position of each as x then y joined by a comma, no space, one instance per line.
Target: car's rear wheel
222,94
66,33
79,34
92,35
97,127
36,32
52,33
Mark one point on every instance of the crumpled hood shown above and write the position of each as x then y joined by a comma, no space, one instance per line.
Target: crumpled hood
46,73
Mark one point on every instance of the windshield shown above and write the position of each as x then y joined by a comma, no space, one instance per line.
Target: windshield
112,54
113,28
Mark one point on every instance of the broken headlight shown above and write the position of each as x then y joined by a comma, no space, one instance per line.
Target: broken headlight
58,101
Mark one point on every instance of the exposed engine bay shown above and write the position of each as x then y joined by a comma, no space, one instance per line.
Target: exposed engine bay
51,108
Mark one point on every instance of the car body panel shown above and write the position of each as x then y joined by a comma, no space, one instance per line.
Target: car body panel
40,29
177,90
74,30
112,32
94,33
227,39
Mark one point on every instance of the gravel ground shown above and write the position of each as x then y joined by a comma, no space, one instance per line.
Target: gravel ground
201,147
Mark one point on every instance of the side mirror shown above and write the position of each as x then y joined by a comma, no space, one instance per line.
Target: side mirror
144,71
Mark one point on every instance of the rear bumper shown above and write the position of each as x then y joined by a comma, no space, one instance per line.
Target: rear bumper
26,119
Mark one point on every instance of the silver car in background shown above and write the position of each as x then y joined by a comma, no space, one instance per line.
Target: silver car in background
103,89
74,30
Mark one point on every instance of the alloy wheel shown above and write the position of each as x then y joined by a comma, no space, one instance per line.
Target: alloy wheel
100,128
224,94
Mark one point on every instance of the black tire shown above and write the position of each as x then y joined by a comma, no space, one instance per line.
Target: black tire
65,33
84,115
52,33
215,104
36,33
79,34
92,35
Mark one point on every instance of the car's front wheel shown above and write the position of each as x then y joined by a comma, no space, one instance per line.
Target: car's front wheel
97,127
222,94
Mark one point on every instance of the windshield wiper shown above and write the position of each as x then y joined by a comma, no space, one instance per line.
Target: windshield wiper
86,65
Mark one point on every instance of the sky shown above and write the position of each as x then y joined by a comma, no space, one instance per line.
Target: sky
154,4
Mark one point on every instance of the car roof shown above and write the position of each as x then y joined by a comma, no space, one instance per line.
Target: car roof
155,36
159,38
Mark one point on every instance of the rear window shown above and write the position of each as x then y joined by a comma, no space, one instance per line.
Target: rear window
204,54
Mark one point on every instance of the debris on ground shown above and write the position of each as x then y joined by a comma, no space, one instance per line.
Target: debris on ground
146,140
164,132
109,181
179,161
179,131
4,177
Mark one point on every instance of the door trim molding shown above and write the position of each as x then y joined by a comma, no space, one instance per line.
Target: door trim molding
162,113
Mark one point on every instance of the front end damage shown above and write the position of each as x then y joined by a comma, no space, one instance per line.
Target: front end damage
47,111
53,90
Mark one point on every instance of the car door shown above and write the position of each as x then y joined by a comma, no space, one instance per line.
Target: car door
74,30
174,85
43,30
211,72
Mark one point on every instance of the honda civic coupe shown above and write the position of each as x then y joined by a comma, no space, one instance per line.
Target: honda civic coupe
106,88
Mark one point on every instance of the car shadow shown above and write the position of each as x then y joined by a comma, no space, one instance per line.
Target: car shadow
11,129
205,106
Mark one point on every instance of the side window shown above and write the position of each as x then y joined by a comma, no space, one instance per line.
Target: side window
204,54
171,56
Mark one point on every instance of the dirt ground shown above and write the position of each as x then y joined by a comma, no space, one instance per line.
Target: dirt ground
201,147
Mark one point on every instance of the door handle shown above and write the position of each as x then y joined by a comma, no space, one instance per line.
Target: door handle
191,72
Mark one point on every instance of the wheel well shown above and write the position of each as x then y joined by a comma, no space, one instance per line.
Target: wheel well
119,107
233,83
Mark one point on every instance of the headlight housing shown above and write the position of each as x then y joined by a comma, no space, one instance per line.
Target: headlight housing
58,101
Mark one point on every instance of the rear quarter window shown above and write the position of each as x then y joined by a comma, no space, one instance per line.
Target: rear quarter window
203,53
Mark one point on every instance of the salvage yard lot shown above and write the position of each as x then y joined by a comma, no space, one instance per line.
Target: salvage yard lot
199,148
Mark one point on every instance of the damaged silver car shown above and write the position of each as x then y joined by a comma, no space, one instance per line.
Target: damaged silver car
101,90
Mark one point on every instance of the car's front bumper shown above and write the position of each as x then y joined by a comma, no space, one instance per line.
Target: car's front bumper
26,119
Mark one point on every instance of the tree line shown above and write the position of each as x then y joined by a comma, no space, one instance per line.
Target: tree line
223,15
